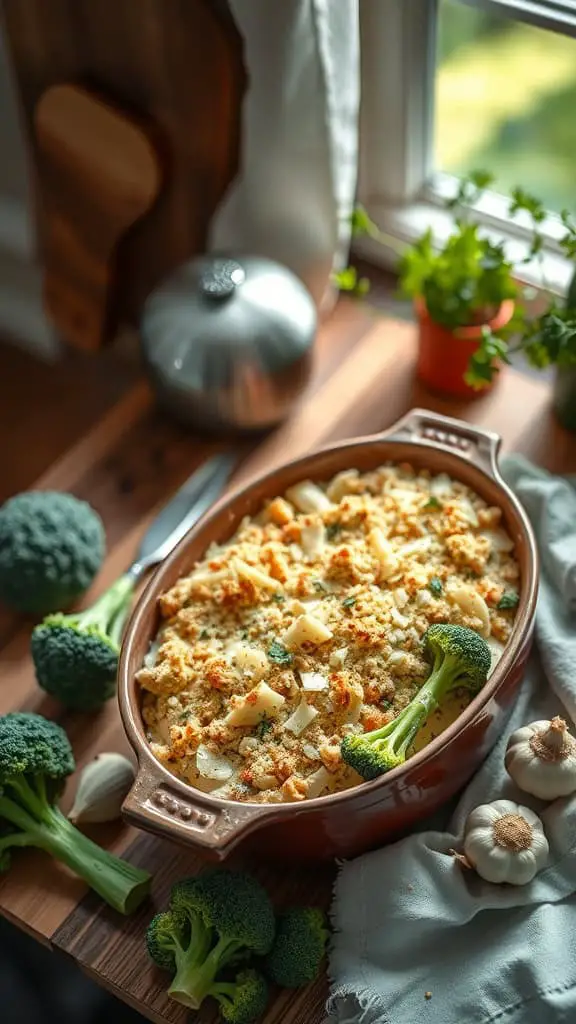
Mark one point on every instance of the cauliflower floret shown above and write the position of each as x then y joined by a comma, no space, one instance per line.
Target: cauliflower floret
247,659
308,497
294,789
173,671
256,576
251,709
472,605
306,629
313,539
383,552
280,512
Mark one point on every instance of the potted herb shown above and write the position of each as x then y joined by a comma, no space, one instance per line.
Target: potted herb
464,293
468,301
461,292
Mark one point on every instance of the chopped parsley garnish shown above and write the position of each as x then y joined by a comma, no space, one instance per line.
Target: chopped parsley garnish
204,635
508,600
332,530
348,602
432,503
320,586
435,585
263,727
279,654
183,716
278,598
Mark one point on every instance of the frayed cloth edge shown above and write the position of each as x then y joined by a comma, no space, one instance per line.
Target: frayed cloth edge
365,1006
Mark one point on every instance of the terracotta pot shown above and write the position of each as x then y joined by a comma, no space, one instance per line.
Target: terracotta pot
342,824
444,354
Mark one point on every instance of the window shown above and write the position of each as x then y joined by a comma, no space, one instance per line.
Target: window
467,84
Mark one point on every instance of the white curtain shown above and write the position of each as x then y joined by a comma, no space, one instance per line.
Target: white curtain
295,190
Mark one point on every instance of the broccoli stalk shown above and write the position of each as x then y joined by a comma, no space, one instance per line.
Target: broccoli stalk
76,655
35,759
460,658
196,971
215,921
299,946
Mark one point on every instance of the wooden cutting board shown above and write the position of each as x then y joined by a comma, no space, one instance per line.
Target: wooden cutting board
99,174
178,63
127,465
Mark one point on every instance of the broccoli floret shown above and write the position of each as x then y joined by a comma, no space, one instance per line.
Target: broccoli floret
167,933
51,547
300,944
35,760
242,1000
167,941
76,656
460,658
215,921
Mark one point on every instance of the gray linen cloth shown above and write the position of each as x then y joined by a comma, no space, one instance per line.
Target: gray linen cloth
420,939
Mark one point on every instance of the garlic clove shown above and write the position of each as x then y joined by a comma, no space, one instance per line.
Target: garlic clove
102,787
495,866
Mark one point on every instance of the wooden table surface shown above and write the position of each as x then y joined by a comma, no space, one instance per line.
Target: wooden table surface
127,464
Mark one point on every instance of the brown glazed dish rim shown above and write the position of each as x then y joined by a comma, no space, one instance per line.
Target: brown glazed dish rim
162,578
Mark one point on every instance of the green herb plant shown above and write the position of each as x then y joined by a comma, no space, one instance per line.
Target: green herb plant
547,338
347,279
464,281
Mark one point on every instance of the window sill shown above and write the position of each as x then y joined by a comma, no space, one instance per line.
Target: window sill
407,223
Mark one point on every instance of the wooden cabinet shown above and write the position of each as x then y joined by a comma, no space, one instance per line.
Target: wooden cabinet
176,66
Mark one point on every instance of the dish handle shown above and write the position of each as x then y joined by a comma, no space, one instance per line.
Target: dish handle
157,805
474,443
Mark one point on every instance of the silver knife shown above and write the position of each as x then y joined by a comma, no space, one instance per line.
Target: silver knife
189,503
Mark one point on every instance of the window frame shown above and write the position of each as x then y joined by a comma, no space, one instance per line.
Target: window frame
396,181
556,15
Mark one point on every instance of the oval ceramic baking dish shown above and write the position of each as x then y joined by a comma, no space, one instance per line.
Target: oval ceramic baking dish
346,823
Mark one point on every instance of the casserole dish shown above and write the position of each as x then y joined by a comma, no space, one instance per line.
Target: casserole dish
345,823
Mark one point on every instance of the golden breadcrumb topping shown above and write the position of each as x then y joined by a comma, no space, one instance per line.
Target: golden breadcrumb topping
307,625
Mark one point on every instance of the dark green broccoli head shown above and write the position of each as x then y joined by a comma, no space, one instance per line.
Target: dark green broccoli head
299,946
76,656
76,666
30,745
460,652
165,934
233,903
242,1000
51,547
367,758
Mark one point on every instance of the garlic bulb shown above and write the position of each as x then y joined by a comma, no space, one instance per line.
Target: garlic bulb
101,789
505,842
541,758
